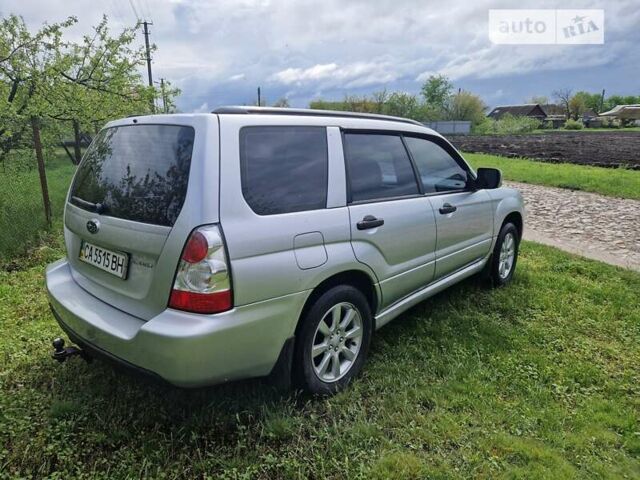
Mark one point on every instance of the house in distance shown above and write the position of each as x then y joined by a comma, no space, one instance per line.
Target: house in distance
551,114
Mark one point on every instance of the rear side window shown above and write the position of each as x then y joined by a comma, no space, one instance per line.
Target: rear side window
284,169
137,172
378,167
439,171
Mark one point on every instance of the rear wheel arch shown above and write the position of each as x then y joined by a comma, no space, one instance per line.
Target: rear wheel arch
355,278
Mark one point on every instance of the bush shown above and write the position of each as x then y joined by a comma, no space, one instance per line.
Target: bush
573,125
507,125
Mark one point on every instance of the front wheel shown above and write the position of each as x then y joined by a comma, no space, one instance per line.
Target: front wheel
333,341
505,255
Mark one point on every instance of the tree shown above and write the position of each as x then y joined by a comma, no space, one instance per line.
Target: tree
563,96
282,103
99,80
401,104
436,90
577,106
435,102
466,106
364,104
539,99
380,99
168,94
49,87
25,71
590,100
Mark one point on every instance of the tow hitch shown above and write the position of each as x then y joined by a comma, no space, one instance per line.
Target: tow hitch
60,353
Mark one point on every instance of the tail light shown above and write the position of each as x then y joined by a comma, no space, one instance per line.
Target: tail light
202,283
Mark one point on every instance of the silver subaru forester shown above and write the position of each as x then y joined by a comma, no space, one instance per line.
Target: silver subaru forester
253,241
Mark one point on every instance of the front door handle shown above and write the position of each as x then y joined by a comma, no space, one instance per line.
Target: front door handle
369,221
447,208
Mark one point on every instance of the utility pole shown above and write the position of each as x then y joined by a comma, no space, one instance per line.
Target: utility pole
259,104
146,43
164,99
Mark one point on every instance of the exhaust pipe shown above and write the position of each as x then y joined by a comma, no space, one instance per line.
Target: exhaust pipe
60,353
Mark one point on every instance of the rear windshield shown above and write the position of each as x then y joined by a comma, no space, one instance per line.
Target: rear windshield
137,172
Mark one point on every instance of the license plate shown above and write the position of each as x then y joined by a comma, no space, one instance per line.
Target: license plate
115,263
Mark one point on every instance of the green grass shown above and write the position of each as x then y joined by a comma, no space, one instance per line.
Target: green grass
614,182
537,380
22,220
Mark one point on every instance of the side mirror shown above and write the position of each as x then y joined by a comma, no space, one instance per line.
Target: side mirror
488,178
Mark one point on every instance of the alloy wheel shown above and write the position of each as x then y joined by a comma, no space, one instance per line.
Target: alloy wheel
337,342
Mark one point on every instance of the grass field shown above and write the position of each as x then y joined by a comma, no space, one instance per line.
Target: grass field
614,182
537,380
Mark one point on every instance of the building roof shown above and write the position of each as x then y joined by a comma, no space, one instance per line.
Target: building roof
525,110
628,112
553,109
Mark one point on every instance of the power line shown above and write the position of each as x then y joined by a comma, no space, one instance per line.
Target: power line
135,12
147,9
117,13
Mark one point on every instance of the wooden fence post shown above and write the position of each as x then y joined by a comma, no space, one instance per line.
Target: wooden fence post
76,142
37,146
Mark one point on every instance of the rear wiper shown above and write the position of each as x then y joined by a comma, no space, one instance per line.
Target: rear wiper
96,207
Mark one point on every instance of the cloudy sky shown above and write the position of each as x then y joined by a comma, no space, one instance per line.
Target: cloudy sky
219,51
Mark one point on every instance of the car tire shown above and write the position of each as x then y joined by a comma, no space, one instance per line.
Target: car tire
333,341
505,256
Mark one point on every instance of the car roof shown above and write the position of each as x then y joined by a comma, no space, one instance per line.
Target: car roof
245,115
308,112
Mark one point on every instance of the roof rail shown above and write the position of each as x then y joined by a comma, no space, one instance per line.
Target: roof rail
311,113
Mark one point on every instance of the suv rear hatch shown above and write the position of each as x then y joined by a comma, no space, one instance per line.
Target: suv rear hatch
124,227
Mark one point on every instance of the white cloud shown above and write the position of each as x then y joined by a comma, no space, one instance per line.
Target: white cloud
352,75
298,75
235,78
204,108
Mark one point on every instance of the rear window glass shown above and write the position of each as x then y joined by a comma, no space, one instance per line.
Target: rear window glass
137,172
284,169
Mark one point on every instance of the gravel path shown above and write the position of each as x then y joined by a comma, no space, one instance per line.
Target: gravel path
598,227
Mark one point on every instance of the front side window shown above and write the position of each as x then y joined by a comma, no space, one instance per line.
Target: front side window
378,167
284,169
136,172
438,170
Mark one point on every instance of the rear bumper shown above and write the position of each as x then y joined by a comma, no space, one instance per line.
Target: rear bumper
184,349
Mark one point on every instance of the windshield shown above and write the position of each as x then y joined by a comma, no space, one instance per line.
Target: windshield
136,172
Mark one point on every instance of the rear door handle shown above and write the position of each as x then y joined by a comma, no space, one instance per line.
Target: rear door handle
369,221
447,208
